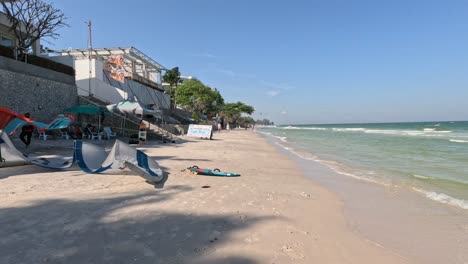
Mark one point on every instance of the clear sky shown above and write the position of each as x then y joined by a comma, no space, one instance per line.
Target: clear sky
327,61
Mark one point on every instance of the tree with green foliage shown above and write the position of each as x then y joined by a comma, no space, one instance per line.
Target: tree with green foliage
245,121
217,103
264,122
172,77
233,111
196,97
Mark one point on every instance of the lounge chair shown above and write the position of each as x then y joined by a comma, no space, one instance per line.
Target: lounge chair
109,133
64,135
93,135
43,135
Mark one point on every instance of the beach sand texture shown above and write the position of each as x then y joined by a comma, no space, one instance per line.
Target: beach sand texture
271,214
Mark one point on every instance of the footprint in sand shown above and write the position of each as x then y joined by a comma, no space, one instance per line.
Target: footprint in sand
252,239
294,252
293,230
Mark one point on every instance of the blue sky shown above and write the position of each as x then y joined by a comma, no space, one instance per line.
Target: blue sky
327,61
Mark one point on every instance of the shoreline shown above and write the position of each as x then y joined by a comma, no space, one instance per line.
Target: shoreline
272,213
419,219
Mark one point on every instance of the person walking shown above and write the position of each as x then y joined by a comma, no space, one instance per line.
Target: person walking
26,132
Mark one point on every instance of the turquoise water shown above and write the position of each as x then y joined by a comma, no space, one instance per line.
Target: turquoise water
428,157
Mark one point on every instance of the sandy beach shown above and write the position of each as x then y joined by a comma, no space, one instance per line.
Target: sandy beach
271,214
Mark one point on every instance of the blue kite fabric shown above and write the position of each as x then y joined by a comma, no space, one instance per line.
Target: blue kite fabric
89,157
93,159
59,122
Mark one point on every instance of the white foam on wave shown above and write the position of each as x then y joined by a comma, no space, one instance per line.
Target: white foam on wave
425,132
315,128
458,141
422,177
429,133
335,166
348,129
304,128
282,138
444,198
272,135
296,153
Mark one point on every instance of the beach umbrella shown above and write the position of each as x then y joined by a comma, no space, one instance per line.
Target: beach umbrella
133,107
89,110
86,109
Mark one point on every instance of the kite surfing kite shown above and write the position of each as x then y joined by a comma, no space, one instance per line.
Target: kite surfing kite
10,121
89,157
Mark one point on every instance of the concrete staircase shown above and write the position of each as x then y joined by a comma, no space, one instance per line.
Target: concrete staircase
154,131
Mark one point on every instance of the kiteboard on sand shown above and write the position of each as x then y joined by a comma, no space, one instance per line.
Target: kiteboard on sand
216,172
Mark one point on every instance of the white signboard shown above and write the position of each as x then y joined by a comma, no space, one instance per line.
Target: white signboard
201,131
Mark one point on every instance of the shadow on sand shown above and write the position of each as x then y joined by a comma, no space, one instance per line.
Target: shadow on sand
125,229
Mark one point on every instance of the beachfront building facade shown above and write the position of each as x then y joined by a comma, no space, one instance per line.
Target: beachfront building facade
115,74
8,37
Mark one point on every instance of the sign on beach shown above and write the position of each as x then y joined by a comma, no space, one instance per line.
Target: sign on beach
203,131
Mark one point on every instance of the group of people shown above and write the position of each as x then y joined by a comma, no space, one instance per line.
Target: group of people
221,123
74,131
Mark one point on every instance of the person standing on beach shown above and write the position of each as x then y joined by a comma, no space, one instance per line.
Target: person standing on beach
219,121
26,132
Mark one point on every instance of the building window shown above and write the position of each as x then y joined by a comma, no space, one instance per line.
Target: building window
4,41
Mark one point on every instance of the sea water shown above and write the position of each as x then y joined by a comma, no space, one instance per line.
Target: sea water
430,158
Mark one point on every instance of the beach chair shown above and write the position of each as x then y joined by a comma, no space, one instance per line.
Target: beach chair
64,135
80,132
93,135
109,133
43,135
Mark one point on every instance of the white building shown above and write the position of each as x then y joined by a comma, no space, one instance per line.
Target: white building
8,37
114,74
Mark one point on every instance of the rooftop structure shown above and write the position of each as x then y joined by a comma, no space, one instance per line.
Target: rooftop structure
135,62
113,74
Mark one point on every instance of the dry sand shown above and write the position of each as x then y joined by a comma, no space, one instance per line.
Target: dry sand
271,214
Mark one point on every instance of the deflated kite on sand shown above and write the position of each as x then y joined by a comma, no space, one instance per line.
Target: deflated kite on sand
90,158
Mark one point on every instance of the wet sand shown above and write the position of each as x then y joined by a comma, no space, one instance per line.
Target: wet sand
272,213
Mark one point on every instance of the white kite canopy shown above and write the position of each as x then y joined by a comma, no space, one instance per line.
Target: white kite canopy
93,159
131,106
9,155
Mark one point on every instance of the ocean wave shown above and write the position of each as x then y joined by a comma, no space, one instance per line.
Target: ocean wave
338,168
425,132
281,138
458,141
348,129
315,128
444,198
304,128
422,177
305,156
